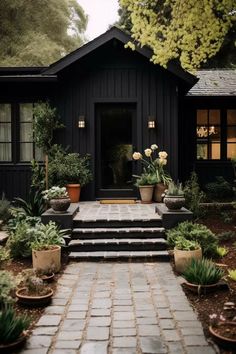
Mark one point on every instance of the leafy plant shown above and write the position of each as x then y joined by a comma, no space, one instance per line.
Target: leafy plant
186,245
194,232
175,189
146,179
45,236
202,272
220,189
37,176
222,251
11,325
232,274
4,208
4,255
55,192
18,216
35,206
33,284
194,196
227,217
7,285
227,235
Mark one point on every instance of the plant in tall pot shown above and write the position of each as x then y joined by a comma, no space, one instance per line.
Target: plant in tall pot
174,196
58,199
146,183
184,252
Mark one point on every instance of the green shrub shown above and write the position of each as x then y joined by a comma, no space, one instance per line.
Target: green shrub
220,189
4,208
227,217
186,245
4,255
194,232
7,285
34,206
202,272
226,235
11,325
194,196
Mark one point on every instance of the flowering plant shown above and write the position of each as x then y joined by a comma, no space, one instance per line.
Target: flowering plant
55,192
154,165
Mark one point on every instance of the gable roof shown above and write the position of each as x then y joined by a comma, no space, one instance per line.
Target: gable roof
120,35
215,82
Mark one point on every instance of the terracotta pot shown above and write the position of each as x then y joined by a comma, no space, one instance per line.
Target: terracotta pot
201,289
158,191
146,193
183,258
60,205
10,347
29,300
174,202
73,191
47,278
222,340
48,259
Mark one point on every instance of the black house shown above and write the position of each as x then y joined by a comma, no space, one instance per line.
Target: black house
114,101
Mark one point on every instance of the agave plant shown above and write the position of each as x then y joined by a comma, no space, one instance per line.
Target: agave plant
222,251
232,274
202,272
11,325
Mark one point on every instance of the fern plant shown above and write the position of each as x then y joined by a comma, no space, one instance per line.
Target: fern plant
11,325
202,272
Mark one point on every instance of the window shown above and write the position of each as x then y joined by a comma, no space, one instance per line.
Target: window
5,132
231,133
208,134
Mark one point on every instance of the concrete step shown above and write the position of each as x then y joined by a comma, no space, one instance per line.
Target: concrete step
121,256
114,223
115,244
107,233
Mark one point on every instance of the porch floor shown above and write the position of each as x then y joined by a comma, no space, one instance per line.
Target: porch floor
94,211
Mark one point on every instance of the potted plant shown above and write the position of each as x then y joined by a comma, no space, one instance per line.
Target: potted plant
155,164
12,329
58,199
202,275
46,248
146,183
46,275
33,291
174,196
184,252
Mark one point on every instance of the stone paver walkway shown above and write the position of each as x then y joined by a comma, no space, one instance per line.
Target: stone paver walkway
118,308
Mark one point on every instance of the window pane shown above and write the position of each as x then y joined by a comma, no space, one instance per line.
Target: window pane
231,116
231,151
5,112
214,133
5,132
39,154
26,151
202,151
231,134
214,150
26,112
214,116
26,133
202,117
5,152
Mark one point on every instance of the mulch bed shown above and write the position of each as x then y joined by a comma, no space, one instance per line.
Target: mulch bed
213,303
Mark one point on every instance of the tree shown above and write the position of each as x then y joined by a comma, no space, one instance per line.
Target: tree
188,31
35,33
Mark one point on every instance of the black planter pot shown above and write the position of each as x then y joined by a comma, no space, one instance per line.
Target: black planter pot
60,205
174,202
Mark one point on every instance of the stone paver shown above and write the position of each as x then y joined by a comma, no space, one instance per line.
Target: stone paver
118,308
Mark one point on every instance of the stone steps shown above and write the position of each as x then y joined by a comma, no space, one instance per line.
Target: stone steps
117,223
161,256
119,233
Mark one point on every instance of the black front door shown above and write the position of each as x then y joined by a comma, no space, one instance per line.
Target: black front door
115,127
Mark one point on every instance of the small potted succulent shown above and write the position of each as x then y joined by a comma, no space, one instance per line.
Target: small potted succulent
174,196
184,252
146,183
33,291
58,199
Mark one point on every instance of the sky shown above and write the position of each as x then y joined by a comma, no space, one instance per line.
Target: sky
102,13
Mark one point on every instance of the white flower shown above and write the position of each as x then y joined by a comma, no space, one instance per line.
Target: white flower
162,161
148,152
137,156
154,147
163,154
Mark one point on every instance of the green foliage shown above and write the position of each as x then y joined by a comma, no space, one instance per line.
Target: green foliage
39,32
35,206
37,176
222,251
18,216
194,196
189,32
220,189
183,244
226,235
194,232
175,189
11,325
232,274
146,179
202,272
45,122
55,192
4,208
45,236
67,168
7,285
227,217
4,255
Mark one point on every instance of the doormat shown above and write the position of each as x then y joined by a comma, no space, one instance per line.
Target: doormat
118,201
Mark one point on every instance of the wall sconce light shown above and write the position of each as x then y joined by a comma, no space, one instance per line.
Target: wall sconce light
151,123
81,122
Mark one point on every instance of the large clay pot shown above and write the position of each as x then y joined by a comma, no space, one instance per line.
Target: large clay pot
223,341
158,191
33,300
48,259
146,193
60,205
174,202
183,258
73,191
